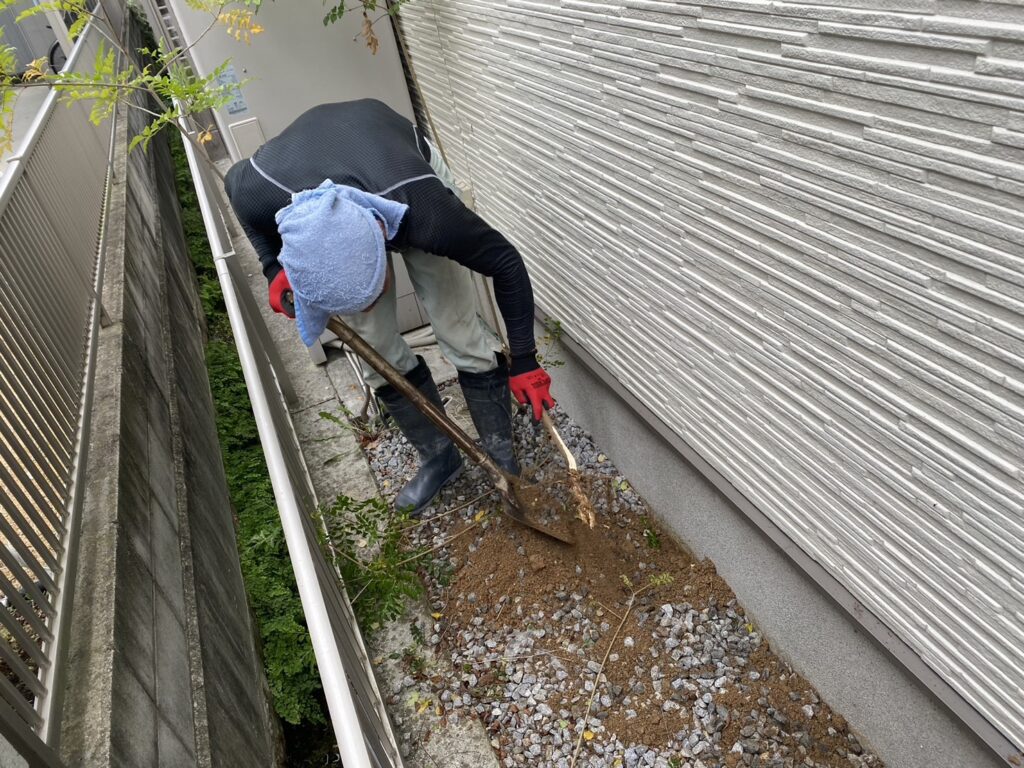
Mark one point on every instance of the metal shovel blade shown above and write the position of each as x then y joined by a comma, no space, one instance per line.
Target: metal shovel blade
514,509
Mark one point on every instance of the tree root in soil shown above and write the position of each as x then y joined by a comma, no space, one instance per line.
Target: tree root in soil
655,581
584,509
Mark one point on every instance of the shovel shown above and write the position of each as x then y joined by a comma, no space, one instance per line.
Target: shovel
506,486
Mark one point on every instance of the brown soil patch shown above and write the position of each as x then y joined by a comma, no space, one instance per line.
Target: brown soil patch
507,574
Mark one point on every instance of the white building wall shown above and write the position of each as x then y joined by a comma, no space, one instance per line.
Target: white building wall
295,64
795,230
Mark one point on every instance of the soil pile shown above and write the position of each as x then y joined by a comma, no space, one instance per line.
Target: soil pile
621,650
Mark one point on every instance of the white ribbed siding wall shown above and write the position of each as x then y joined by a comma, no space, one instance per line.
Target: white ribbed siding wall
794,230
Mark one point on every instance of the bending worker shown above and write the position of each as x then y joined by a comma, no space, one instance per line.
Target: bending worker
323,203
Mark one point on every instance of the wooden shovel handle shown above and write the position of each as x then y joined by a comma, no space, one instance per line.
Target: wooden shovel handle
549,425
436,415
440,419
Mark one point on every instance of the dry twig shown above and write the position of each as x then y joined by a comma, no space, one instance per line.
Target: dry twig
656,581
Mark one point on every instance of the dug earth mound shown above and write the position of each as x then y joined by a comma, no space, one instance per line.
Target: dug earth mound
621,650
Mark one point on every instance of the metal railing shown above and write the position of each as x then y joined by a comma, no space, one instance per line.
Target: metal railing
357,711
53,196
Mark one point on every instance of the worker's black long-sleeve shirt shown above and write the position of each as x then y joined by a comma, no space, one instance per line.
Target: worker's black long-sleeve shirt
367,145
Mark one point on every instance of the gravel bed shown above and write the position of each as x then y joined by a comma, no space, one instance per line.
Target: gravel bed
525,625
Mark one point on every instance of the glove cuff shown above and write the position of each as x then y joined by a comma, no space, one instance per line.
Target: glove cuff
523,363
273,271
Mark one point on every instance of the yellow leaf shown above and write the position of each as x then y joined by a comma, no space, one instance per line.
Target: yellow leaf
436,615
367,32
479,516
588,735
36,69
422,707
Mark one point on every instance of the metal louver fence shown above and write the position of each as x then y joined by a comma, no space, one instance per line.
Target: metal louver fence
52,203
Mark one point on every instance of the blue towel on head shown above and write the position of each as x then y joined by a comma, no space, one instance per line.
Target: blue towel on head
333,251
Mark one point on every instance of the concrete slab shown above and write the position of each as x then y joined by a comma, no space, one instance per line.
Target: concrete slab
456,408
171,750
426,740
173,682
133,732
439,365
9,758
336,463
345,382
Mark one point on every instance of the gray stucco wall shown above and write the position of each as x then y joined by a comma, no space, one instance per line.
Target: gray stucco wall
162,667
793,230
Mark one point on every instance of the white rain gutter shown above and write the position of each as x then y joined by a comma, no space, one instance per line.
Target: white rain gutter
342,708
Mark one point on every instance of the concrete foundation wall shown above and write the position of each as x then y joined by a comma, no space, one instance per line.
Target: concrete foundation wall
163,667
794,230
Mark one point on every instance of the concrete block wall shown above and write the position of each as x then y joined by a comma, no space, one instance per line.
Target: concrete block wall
163,668
793,230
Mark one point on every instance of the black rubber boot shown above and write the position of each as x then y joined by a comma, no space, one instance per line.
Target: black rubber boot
440,460
490,406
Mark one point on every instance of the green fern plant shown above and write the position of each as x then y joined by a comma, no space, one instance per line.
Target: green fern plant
380,569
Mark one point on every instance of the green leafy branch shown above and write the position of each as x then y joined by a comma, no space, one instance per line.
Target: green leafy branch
8,65
176,93
337,12
170,88
379,568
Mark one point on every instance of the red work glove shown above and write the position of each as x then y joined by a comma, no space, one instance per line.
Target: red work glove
282,300
532,385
